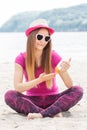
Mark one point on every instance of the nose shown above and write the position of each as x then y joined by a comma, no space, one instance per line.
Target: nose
42,40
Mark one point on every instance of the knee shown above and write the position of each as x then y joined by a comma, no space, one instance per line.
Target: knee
9,96
79,91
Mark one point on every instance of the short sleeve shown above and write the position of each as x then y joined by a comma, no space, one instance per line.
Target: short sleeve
56,58
20,59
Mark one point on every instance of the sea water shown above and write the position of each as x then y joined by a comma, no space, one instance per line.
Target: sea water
67,44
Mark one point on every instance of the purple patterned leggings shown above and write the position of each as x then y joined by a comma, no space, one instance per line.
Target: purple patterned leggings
48,105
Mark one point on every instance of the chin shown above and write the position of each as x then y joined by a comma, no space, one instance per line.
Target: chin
39,48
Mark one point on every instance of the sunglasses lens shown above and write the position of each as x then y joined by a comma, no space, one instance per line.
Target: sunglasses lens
39,37
47,38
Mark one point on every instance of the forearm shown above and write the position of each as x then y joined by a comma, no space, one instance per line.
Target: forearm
66,79
24,86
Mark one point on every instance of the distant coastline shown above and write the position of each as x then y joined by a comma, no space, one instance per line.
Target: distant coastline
72,19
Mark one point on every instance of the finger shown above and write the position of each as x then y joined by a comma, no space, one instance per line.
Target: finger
69,60
41,75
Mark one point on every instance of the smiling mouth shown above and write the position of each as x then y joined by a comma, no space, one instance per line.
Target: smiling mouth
40,44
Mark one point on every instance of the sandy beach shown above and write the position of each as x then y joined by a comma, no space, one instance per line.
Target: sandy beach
75,118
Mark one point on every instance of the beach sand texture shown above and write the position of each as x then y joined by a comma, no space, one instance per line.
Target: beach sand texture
75,118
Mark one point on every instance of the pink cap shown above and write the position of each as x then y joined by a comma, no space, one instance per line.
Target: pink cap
40,23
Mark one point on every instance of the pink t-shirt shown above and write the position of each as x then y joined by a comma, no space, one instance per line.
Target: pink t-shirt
41,88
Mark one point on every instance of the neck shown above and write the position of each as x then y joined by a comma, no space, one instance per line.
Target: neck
38,55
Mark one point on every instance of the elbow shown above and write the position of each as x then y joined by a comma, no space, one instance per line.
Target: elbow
69,84
18,88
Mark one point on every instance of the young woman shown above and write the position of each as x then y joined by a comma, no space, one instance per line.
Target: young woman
38,65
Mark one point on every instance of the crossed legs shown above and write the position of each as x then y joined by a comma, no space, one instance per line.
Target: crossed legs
43,106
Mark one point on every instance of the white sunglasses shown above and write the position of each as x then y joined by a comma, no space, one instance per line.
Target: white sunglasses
41,36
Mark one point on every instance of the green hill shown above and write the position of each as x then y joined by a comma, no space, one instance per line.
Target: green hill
64,19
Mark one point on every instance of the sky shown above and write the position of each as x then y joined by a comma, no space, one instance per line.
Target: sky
8,8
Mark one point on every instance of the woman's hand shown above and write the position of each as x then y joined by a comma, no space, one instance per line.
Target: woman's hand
65,65
44,77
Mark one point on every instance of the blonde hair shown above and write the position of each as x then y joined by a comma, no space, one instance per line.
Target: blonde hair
30,58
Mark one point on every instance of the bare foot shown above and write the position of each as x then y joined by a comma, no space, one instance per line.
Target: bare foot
58,115
34,115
